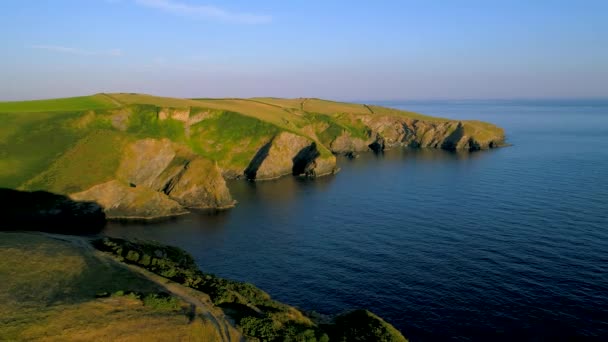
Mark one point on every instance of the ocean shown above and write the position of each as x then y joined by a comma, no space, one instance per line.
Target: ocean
506,244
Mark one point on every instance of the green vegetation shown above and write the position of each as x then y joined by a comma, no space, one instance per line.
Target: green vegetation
30,142
362,325
230,138
256,313
99,101
93,160
144,122
333,127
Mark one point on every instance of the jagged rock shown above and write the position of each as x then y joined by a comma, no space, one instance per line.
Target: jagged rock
351,155
178,114
309,162
393,131
158,178
275,159
346,143
163,166
200,185
288,153
119,200
378,145
144,161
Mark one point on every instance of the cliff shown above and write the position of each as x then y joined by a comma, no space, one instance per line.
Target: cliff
142,156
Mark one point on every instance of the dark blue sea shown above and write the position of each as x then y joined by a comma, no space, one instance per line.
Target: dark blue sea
504,244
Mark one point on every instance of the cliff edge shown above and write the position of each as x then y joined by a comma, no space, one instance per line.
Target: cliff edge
146,157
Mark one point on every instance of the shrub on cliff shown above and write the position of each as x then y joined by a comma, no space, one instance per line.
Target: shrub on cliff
362,325
257,314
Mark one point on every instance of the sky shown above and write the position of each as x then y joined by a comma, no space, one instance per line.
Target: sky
343,50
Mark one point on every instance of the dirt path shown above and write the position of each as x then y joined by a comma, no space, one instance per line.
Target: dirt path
114,101
200,303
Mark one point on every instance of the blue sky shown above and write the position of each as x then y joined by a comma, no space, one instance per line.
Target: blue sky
347,50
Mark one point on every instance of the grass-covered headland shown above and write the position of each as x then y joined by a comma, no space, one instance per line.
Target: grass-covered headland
145,157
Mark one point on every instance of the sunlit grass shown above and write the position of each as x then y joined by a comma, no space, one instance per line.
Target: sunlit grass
48,293
98,101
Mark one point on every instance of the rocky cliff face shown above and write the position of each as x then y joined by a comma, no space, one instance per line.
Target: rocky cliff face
286,154
157,178
391,131
123,201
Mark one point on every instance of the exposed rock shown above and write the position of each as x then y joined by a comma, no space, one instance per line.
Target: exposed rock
347,143
158,178
309,162
351,155
163,166
322,166
119,200
200,185
120,119
377,145
174,113
144,161
391,131
288,153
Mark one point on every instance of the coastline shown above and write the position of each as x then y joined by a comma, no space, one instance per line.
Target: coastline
231,308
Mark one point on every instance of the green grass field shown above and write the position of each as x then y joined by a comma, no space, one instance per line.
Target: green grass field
98,101
93,160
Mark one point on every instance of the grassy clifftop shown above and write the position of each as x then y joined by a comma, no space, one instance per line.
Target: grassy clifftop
57,288
71,145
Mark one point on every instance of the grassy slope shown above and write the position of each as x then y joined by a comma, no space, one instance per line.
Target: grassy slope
92,160
48,292
98,101
230,138
44,143
30,142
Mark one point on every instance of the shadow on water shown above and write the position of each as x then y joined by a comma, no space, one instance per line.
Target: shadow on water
48,212
405,156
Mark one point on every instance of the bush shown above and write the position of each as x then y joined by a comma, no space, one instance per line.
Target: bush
261,328
161,301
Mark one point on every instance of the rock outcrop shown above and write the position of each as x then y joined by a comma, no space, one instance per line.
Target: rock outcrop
288,153
122,201
199,185
386,132
158,178
345,143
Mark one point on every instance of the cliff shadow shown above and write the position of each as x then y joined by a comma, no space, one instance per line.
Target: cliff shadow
304,159
48,212
252,169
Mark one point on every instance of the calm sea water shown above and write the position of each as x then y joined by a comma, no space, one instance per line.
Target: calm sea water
489,245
